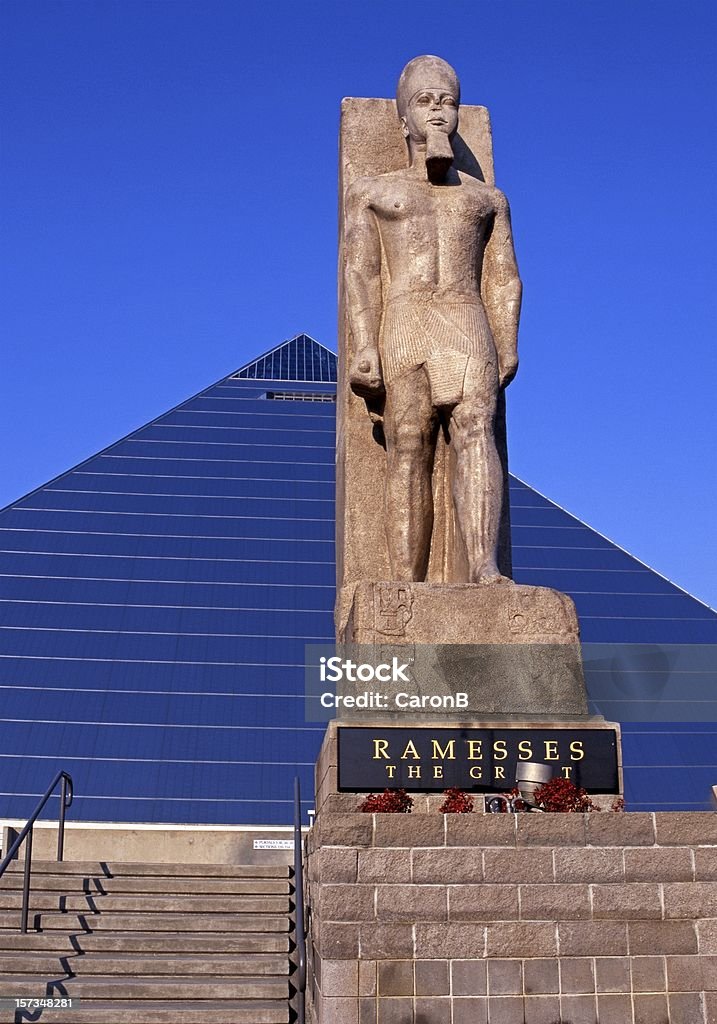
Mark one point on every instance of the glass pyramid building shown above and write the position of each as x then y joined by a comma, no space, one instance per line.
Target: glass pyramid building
156,599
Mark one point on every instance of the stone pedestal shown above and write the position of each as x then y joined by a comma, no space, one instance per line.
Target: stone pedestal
514,650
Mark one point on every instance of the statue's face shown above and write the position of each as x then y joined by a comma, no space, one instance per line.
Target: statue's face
430,110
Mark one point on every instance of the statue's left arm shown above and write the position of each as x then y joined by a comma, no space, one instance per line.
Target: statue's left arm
501,290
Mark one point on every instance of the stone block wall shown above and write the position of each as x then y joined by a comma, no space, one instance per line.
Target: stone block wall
599,918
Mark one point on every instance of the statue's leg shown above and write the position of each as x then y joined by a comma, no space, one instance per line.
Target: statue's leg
410,427
478,477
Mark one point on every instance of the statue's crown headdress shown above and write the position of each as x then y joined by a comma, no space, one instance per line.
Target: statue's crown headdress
426,72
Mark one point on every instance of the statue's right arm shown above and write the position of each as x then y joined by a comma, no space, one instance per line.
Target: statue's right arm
362,281
502,290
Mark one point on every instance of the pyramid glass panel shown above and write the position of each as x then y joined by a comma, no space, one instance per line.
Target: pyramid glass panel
300,358
156,599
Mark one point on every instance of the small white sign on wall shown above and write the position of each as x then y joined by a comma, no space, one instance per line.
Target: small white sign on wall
273,844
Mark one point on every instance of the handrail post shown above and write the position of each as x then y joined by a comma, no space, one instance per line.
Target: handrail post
26,884
61,826
299,903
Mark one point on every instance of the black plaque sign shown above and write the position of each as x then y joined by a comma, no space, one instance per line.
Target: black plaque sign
484,760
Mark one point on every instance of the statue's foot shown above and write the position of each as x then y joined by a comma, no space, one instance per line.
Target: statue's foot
490,576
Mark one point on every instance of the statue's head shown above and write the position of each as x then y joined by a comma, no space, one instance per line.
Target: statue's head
427,98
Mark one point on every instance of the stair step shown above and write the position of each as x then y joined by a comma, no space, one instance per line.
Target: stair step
124,869
139,904
141,943
84,922
160,885
158,964
144,942
248,1012
119,990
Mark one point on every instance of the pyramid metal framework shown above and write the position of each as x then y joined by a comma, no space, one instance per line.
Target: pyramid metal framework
156,599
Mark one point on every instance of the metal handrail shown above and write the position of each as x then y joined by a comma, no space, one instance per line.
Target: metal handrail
300,980
65,802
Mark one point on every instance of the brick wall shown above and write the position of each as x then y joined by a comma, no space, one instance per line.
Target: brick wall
513,919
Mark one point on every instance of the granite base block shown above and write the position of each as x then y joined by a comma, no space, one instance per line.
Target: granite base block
514,650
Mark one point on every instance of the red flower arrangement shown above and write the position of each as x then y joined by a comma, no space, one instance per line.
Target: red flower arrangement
391,801
456,802
559,795
563,795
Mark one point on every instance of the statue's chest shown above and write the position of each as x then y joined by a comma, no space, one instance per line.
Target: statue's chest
454,208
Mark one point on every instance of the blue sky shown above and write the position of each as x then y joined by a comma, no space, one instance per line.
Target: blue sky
169,212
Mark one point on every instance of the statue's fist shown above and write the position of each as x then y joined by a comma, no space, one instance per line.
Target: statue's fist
365,373
507,369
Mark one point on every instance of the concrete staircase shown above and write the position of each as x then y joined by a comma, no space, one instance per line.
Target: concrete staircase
150,943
